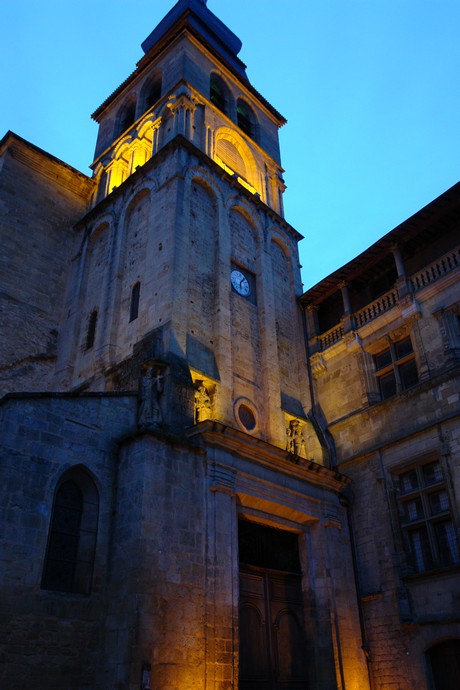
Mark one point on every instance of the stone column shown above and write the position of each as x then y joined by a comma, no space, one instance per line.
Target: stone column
348,324
311,318
402,283
221,628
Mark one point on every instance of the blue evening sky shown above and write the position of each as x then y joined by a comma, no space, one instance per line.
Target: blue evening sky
370,89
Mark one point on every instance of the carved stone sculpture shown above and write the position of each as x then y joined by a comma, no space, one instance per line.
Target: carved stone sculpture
295,442
150,393
202,403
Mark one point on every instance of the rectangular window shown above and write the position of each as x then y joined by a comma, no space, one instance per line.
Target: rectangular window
395,368
425,517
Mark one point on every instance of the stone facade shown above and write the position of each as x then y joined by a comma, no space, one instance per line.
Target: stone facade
389,432
188,500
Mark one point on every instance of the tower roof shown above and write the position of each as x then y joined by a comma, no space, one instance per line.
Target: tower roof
194,16
207,25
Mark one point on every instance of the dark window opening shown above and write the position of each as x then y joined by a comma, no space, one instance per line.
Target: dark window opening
426,523
267,547
383,283
153,94
135,296
244,117
126,117
91,332
444,665
247,417
72,535
217,94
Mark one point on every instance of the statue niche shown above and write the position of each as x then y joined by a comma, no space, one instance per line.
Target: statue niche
151,388
295,442
202,402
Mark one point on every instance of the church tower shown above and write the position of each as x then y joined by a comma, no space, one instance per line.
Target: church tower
185,255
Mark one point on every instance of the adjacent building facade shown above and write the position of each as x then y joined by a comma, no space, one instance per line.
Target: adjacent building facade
383,339
196,494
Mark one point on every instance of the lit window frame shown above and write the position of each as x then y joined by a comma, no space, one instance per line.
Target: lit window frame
392,369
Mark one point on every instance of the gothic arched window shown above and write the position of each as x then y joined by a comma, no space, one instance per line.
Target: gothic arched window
72,534
135,296
91,332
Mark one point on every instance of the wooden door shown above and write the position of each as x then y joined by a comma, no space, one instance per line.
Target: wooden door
272,635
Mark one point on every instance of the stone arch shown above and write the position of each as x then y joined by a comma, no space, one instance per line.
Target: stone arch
135,238
245,209
134,200
98,229
150,93
234,155
71,548
203,174
202,258
143,187
286,245
98,249
220,93
126,115
245,238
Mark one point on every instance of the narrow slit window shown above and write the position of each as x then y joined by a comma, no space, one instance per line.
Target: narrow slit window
135,297
91,332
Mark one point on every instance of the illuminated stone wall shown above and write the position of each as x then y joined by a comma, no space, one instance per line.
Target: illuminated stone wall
407,607
179,236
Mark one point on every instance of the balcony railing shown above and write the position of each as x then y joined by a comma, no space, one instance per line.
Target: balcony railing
437,269
386,302
330,337
376,308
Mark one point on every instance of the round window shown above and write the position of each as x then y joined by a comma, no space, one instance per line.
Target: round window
246,417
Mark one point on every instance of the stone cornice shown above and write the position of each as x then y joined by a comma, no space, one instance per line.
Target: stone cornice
216,434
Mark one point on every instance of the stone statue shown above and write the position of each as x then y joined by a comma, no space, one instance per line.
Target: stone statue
202,403
151,390
295,442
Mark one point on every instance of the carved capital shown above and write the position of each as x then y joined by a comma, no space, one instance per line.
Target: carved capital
318,365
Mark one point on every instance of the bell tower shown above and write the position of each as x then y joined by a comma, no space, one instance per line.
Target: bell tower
185,257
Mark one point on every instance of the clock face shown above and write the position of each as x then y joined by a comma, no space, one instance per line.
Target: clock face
240,283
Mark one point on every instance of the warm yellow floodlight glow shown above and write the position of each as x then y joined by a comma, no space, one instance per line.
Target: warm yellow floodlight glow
231,172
